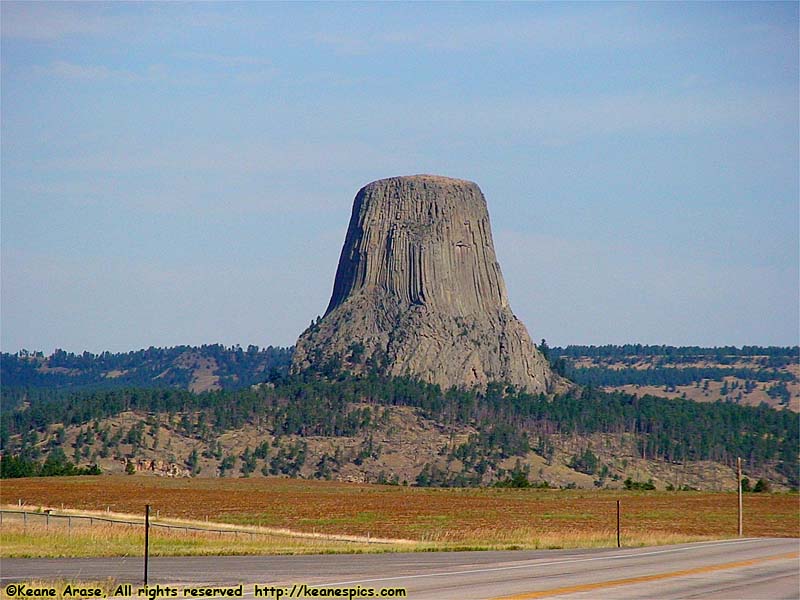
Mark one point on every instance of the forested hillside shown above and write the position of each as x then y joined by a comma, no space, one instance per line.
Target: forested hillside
220,411
358,417
750,375
198,368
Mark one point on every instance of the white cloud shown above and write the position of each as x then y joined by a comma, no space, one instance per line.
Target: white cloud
589,29
616,26
566,119
248,72
239,156
68,70
47,22
54,21
346,43
243,68
226,60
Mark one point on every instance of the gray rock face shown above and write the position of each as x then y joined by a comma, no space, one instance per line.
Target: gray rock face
419,292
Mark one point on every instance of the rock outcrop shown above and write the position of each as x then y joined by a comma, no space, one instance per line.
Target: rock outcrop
419,292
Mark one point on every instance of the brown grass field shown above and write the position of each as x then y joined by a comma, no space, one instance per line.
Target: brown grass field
436,518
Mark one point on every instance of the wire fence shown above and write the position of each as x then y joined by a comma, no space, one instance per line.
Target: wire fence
48,517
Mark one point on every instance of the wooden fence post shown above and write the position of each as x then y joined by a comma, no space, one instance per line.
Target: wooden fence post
146,540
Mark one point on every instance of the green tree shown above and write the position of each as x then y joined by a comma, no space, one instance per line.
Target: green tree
193,462
762,485
586,462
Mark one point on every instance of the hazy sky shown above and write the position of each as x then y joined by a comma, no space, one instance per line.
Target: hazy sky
183,173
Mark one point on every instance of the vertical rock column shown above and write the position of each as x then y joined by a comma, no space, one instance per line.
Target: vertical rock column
419,292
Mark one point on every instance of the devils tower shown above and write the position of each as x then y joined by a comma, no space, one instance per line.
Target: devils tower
419,292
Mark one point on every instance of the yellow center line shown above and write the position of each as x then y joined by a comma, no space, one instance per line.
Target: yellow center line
586,587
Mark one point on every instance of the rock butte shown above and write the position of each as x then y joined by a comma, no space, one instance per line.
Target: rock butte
419,292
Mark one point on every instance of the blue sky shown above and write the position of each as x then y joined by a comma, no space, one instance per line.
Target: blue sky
184,173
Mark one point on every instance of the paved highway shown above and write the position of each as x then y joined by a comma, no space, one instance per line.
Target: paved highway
747,569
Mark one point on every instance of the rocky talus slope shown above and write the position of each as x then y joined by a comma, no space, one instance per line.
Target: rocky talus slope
419,292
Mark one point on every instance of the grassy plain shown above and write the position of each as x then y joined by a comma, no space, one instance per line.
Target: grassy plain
433,519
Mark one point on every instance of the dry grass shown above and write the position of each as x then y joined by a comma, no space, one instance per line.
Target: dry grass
533,539
36,541
435,519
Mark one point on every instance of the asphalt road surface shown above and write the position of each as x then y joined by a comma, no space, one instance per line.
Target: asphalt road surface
756,568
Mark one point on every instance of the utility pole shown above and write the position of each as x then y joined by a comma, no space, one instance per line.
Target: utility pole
739,479
618,511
